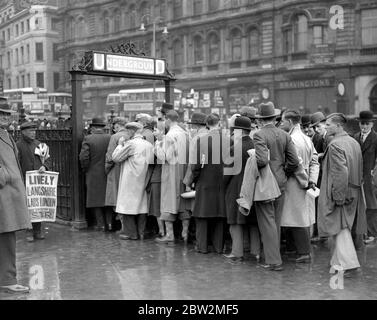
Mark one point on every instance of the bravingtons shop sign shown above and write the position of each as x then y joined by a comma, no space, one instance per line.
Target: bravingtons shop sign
127,64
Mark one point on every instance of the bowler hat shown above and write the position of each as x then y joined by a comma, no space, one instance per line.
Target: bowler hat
249,112
267,110
28,125
98,122
198,118
366,116
242,123
166,107
317,118
306,120
134,125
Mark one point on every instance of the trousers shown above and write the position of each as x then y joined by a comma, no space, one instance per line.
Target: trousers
298,239
244,236
269,219
134,225
210,228
8,271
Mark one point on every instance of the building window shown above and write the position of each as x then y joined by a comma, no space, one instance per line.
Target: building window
55,55
164,50
178,54
106,22
56,81
319,35
9,83
17,30
131,15
55,24
27,25
144,10
22,55
214,49
117,20
8,34
300,29
369,27
28,80
236,45
39,51
18,81
38,23
17,58
22,27
9,62
1,62
28,53
253,42
177,9
23,81
213,5
163,9
198,50
287,44
3,37
40,80
81,28
198,7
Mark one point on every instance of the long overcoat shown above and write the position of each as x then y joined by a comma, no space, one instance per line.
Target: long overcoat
13,209
208,177
299,209
132,195
92,158
233,184
113,169
369,150
173,151
341,201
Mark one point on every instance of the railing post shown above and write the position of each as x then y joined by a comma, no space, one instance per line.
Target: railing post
77,179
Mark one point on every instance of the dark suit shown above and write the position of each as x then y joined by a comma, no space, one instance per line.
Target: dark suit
369,150
283,162
209,209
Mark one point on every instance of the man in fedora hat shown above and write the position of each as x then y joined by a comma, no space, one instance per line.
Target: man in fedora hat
275,147
93,158
135,155
239,225
341,204
29,161
318,123
14,215
305,125
367,138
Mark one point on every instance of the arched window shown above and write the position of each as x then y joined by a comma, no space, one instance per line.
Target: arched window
236,45
198,7
373,99
198,50
300,31
178,54
144,9
214,48
106,22
117,20
70,28
253,42
81,27
131,17
213,5
177,9
163,9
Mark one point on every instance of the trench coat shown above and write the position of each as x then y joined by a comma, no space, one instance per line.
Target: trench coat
132,195
369,150
299,209
14,214
113,169
208,177
341,201
92,158
233,184
173,151
283,158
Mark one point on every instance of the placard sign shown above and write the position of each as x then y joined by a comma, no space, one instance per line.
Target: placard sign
41,193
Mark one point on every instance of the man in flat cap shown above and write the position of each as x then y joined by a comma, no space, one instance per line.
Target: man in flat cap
29,161
148,126
134,156
112,169
14,214
92,158
341,205
367,138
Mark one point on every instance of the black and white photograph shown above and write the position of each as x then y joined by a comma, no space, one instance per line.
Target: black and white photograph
188,155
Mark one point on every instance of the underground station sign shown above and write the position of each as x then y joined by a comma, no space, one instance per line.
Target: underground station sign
120,63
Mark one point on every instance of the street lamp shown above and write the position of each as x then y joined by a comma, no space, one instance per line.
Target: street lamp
164,32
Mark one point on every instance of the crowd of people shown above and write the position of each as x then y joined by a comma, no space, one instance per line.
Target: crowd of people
275,182
274,178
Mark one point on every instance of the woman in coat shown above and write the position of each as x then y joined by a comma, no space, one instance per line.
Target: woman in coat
233,183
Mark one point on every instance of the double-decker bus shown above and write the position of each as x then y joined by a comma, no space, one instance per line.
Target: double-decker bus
33,100
59,104
134,101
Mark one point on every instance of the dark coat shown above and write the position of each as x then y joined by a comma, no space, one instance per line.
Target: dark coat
341,202
13,209
92,158
208,178
283,156
369,150
233,184
29,161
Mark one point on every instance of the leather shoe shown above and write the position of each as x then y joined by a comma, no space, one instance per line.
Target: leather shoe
124,237
303,259
272,267
15,289
39,237
165,240
352,272
233,257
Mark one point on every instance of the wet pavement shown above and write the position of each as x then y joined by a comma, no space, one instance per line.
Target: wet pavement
87,265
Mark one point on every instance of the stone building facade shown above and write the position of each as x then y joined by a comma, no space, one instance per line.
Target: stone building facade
303,54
